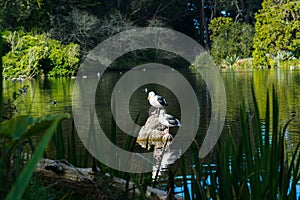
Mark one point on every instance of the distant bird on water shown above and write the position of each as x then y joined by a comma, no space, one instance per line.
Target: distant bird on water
156,101
23,90
168,120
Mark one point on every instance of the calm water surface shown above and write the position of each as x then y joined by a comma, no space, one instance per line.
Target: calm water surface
42,92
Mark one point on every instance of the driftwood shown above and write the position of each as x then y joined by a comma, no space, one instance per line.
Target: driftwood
77,180
86,181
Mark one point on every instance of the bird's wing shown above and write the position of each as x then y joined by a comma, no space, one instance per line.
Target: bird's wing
162,101
171,119
173,122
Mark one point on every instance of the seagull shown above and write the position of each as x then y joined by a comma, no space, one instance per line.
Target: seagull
167,120
156,101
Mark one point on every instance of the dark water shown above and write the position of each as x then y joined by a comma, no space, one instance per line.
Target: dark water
42,92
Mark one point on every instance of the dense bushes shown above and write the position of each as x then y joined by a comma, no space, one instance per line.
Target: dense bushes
28,15
277,30
34,55
230,39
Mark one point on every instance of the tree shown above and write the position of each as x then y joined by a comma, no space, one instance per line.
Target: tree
277,29
230,39
35,55
239,10
24,14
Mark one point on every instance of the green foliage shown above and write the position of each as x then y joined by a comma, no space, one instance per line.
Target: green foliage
291,63
277,29
1,77
280,57
231,60
257,166
18,157
35,55
246,63
24,14
230,39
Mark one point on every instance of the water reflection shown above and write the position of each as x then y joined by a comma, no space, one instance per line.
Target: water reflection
40,95
162,153
42,92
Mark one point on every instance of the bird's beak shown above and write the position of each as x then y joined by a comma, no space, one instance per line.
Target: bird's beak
148,97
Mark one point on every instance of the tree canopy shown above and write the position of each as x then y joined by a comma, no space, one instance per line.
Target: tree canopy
230,39
221,26
187,16
277,30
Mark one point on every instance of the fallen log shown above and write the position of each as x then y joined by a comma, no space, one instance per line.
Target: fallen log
78,180
88,182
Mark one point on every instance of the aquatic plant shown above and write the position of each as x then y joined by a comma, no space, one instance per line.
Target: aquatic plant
18,154
255,166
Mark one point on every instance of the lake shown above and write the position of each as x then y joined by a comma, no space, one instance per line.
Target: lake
38,100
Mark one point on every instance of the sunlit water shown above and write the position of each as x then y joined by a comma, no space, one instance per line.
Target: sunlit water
42,92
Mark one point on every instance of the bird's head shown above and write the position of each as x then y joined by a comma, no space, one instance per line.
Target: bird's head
151,94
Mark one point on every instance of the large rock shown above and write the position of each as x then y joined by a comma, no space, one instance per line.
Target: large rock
153,133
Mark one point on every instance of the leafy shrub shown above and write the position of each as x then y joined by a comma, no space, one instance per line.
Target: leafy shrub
229,61
35,55
246,63
230,39
25,15
277,29
291,63
280,57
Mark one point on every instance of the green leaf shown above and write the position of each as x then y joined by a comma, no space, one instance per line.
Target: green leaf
21,127
23,179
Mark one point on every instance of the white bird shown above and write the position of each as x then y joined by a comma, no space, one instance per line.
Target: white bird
168,120
156,101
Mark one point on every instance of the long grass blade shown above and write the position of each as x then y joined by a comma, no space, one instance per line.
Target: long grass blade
24,178
1,78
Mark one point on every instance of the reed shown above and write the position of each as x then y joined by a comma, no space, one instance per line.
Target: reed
58,142
18,156
1,77
17,159
255,166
